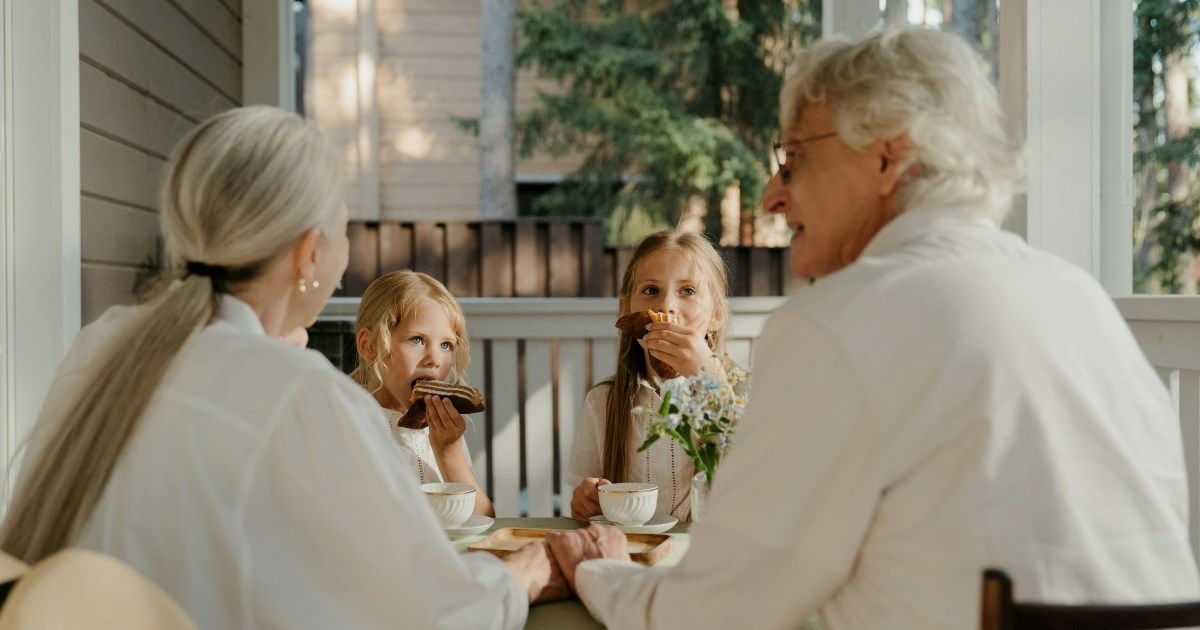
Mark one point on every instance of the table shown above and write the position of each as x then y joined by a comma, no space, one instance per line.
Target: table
570,613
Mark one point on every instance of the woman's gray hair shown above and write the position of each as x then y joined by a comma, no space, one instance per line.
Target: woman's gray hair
930,85
243,187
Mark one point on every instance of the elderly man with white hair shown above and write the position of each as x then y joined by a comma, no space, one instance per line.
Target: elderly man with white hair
942,399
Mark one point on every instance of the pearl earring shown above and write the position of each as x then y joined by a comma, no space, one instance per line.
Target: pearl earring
303,285
316,284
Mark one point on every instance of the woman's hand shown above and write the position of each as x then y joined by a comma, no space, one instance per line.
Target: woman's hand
680,347
535,568
446,425
585,500
597,541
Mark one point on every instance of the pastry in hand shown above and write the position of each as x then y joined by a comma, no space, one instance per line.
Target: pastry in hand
465,400
634,325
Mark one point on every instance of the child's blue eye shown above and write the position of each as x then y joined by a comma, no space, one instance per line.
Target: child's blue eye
688,291
650,290
416,341
447,346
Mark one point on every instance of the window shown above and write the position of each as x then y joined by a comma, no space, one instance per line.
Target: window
1165,144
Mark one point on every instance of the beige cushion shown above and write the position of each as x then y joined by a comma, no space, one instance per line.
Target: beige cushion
84,590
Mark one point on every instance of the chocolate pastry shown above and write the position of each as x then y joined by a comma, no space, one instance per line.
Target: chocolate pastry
634,325
465,400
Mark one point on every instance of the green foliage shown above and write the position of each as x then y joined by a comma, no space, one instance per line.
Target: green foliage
1164,229
668,100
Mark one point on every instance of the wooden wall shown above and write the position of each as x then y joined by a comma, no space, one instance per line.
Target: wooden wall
149,71
530,258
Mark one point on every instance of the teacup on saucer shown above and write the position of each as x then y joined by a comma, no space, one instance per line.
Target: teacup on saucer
451,502
628,503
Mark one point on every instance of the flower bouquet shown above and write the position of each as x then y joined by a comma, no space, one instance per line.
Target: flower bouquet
701,413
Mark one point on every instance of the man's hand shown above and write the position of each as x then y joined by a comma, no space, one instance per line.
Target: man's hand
534,567
585,500
597,541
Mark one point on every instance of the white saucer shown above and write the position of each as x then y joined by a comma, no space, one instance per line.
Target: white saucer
477,524
656,525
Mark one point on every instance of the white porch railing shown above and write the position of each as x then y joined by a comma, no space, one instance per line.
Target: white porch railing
1168,330
536,358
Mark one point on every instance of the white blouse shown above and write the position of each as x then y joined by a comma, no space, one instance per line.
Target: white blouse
664,463
262,490
418,451
954,400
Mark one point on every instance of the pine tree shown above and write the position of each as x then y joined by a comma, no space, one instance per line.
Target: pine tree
668,102
1166,215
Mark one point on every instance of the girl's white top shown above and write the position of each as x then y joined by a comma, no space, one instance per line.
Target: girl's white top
418,451
262,490
663,464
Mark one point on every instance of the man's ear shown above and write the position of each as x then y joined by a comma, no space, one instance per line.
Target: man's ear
362,341
305,253
894,163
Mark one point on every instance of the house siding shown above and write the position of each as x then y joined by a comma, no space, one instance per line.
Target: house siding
149,71
428,71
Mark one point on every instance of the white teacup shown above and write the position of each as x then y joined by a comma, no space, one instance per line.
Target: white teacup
453,503
629,504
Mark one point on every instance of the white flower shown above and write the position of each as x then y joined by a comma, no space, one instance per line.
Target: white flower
708,406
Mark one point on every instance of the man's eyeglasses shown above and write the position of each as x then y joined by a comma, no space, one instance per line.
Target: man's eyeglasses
781,148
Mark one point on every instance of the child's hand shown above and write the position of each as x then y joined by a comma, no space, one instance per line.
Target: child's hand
585,500
446,425
679,347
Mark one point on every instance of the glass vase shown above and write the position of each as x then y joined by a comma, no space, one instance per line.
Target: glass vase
699,495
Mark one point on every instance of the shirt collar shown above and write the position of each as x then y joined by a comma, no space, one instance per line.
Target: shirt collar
647,387
240,315
916,223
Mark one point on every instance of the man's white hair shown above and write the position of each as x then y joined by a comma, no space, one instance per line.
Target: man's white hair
930,85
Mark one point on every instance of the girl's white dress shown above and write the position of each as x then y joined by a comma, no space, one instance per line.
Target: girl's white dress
663,464
418,451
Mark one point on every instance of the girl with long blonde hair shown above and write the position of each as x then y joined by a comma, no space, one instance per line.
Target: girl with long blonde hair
681,274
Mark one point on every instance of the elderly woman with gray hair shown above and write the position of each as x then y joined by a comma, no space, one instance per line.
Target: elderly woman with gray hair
942,399
251,480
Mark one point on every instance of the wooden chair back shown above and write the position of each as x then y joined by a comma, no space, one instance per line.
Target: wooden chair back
1000,612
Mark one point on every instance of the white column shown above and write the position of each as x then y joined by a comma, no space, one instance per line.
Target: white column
368,112
41,254
268,44
1068,93
1116,148
852,18
497,111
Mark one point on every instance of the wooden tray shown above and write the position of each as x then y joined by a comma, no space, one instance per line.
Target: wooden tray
645,549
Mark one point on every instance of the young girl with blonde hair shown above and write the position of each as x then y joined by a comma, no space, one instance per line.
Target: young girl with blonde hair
681,274
410,328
